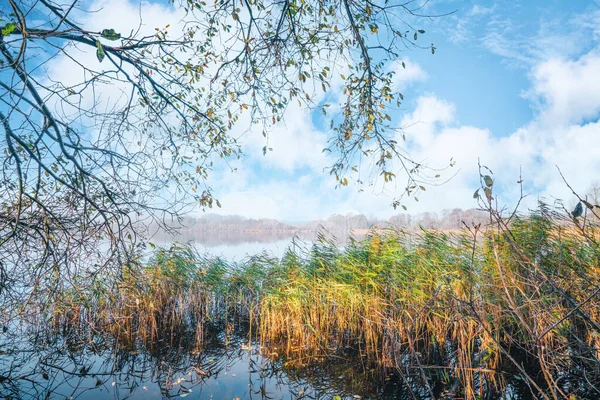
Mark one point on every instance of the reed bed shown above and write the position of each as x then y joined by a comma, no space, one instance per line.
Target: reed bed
473,309
476,306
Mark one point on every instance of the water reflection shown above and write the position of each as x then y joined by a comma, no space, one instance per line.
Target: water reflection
238,245
61,364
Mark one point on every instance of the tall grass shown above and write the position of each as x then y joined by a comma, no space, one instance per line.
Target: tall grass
474,306
471,308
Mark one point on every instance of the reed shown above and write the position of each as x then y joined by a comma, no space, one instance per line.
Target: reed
471,308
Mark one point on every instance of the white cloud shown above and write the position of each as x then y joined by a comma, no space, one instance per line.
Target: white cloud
517,53
464,23
294,199
479,10
525,44
560,134
568,90
407,75
429,113
295,141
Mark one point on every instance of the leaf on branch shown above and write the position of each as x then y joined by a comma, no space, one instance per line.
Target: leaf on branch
476,194
489,182
99,51
8,29
110,34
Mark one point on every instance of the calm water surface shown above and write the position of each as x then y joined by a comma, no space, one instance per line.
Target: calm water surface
226,368
239,247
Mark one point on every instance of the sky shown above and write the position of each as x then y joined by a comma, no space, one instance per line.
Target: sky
514,84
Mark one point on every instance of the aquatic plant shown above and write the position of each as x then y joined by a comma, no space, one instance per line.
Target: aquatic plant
460,313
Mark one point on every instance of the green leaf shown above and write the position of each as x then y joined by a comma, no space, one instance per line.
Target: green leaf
99,51
8,29
421,31
476,194
415,36
110,34
489,182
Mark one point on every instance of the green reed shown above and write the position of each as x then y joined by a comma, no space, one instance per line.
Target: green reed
473,307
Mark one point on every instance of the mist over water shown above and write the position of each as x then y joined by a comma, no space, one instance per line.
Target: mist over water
236,246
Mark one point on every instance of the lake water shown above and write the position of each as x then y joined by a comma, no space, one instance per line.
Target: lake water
56,367
238,246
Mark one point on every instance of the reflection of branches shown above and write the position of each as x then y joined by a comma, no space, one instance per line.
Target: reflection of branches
59,362
56,361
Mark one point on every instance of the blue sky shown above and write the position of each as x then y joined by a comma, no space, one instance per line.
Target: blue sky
513,83
486,50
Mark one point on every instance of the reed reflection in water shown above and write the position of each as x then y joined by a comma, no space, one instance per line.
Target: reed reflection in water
61,364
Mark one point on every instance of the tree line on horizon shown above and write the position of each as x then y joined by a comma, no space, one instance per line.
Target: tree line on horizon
449,219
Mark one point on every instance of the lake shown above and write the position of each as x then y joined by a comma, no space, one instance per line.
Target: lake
57,365
236,246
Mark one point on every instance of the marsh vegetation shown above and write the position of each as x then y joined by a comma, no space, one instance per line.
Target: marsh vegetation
504,310
111,127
